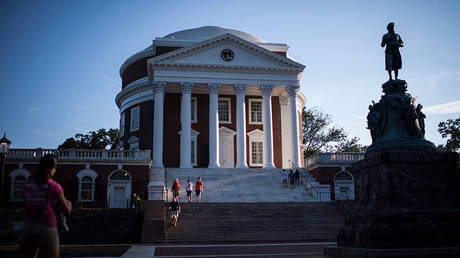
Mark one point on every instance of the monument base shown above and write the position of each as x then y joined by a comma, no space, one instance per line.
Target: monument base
347,252
156,187
406,198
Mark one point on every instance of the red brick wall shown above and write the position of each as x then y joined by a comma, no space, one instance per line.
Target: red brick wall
66,177
172,125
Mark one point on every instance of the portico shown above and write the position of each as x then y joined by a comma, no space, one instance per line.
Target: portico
230,100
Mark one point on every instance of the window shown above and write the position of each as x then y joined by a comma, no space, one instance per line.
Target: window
19,182
224,110
257,152
18,178
135,118
193,152
256,148
255,109
122,124
133,143
193,147
120,175
86,183
86,189
193,109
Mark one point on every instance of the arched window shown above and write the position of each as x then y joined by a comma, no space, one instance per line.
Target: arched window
343,176
86,183
120,175
18,178
19,183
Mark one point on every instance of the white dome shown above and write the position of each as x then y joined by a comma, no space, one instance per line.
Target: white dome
208,32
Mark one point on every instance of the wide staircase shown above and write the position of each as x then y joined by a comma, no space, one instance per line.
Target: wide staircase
256,222
237,185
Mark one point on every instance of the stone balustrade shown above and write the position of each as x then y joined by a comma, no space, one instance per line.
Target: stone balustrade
74,154
329,158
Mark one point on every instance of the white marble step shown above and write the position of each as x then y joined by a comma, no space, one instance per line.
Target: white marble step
237,185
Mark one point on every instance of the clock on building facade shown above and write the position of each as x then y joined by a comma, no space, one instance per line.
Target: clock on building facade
227,55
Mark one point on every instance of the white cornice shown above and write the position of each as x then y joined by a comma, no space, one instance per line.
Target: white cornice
139,55
289,64
132,88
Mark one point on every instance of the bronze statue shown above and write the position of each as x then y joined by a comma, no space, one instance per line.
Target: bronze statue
392,55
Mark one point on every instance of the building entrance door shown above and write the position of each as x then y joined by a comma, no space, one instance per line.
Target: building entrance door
226,150
119,200
119,189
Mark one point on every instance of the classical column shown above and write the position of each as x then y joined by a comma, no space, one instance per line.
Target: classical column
292,91
186,130
240,90
213,125
158,90
267,119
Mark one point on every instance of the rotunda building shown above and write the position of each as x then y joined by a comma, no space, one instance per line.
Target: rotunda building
212,97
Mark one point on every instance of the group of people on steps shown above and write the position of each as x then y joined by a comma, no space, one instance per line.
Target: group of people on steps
293,176
174,206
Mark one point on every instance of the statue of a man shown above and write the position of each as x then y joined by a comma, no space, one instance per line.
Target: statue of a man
392,55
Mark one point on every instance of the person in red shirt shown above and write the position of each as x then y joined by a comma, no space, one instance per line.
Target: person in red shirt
198,189
175,189
41,193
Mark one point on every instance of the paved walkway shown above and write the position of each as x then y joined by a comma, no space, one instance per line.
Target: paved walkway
237,185
310,250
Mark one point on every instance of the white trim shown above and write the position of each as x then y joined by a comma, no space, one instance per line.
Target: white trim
135,111
15,173
256,136
229,101
250,101
287,64
195,113
82,174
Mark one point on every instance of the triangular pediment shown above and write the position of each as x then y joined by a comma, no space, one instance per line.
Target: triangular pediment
246,55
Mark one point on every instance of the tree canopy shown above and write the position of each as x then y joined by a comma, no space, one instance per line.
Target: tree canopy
320,135
100,139
450,129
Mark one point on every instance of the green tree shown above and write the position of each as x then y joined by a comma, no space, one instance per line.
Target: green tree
450,129
319,135
350,145
100,139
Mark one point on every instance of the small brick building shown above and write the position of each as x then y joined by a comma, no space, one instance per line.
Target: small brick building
90,178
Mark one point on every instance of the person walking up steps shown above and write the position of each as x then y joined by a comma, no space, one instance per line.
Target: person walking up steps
174,208
292,179
297,177
284,176
189,190
41,193
175,189
198,189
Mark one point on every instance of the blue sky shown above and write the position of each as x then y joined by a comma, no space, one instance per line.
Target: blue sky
60,60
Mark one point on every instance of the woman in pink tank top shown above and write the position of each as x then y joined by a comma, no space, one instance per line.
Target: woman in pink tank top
40,195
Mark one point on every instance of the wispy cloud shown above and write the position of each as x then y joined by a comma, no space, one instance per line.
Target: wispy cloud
440,78
445,108
105,77
33,109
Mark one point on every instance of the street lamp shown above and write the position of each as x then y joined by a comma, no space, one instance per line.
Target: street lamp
4,147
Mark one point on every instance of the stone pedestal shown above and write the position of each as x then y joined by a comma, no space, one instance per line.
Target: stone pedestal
406,198
156,186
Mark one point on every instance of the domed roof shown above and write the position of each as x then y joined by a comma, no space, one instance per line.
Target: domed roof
208,32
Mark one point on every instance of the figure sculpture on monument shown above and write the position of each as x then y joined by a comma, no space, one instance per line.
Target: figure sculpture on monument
393,42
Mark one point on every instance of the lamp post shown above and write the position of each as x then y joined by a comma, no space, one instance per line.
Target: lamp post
4,147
